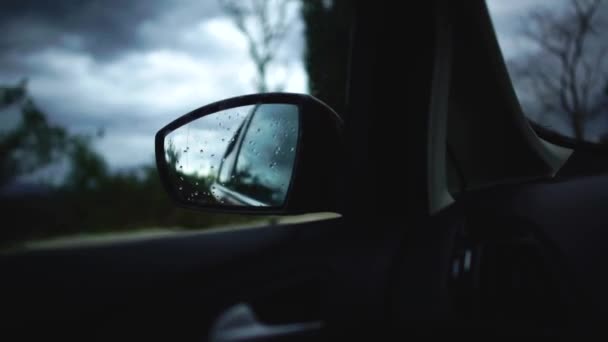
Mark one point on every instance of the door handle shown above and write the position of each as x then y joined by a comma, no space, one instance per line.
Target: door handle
239,323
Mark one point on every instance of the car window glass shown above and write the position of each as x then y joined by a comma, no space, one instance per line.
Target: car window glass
267,154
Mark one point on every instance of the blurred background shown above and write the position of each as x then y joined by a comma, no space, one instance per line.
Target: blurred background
85,85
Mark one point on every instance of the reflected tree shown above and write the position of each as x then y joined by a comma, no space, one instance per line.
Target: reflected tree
246,183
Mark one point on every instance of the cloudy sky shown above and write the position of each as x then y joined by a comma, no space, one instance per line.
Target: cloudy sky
131,67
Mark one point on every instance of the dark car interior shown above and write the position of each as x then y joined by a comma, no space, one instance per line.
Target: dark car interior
457,219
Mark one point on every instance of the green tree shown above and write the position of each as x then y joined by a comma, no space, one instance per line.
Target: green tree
34,143
328,26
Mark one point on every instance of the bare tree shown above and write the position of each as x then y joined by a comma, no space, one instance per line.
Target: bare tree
264,23
567,76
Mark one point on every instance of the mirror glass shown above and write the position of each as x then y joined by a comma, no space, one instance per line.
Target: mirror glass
242,156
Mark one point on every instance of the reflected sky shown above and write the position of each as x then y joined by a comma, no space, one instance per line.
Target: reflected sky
201,143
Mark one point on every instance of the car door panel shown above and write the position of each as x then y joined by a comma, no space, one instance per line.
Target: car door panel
193,276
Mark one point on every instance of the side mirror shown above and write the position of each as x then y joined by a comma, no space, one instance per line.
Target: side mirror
271,153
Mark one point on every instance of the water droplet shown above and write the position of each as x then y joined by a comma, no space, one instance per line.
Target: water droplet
201,150
185,151
212,154
292,149
181,167
181,187
212,167
196,183
259,129
233,177
223,139
181,178
196,193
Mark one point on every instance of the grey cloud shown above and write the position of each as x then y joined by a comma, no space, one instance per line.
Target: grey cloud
99,28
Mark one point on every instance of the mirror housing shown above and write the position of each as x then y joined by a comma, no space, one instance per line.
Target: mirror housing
314,165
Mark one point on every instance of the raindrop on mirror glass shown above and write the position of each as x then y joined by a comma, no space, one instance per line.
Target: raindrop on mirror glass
196,183
181,188
292,149
212,167
223,139
201,150
259,130
212,154
181,178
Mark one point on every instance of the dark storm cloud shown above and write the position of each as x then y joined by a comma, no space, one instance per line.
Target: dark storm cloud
103,29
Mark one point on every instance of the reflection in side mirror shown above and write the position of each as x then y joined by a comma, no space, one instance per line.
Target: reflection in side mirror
241,156
271,153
